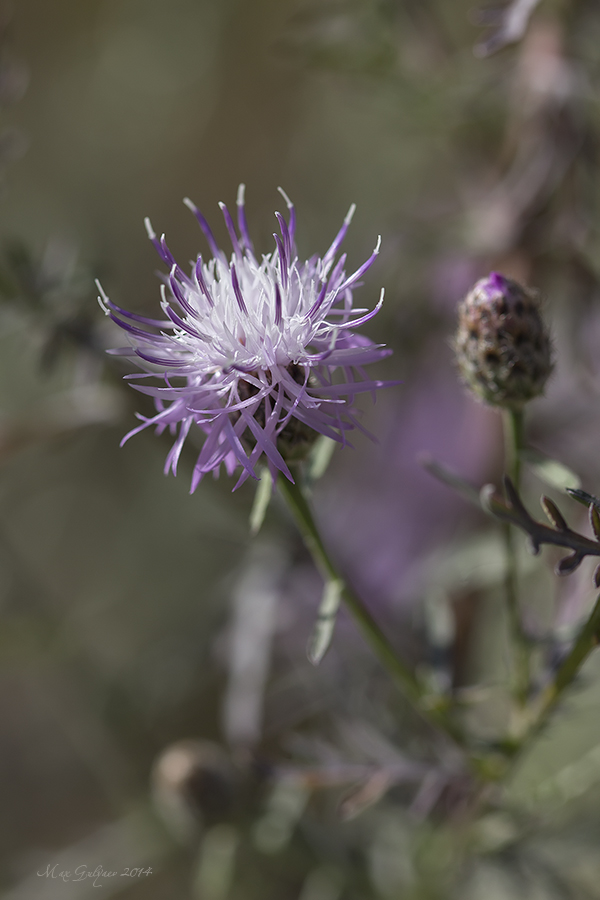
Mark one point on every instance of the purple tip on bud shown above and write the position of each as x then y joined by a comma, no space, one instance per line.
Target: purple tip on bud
497,281
503,346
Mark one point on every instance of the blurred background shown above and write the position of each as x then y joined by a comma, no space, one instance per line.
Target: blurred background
157,708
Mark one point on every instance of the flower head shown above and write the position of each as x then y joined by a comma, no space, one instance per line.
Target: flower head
257,352
503,345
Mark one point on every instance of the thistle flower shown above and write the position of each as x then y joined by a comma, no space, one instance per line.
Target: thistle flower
259,353
503,346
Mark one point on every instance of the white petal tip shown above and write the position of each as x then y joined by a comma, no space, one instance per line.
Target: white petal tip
241,194
350,214
378,246
189,204
288,202
149,229
102,299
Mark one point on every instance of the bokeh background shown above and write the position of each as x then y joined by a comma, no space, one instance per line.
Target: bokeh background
135,616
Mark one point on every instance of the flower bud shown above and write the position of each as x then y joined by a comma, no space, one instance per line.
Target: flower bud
502,344
194,784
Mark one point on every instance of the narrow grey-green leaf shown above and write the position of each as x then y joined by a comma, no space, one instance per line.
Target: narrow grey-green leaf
262,498
551,471
323,631
320,457
449,478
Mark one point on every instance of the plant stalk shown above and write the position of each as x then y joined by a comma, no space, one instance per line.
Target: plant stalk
587,641
513,443
413,690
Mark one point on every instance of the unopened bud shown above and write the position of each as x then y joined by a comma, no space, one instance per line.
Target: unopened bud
194,784
502,344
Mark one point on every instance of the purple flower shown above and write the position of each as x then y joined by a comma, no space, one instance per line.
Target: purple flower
251,347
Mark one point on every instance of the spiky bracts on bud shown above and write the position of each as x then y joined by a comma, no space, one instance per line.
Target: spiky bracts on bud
502,344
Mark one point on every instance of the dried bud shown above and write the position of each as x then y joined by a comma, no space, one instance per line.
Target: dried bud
194,784
502,344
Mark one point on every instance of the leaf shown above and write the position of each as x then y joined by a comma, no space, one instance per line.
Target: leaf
568,564
597,577
262,498
583,497
448,477
323,631
554,513
320,457
550,471
595,520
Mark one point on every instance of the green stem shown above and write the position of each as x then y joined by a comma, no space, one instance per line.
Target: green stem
513,421
587,640
402,675
513,442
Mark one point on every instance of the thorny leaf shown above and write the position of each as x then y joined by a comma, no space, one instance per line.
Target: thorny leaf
595,520
568,564
583,497
554,513
513,512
